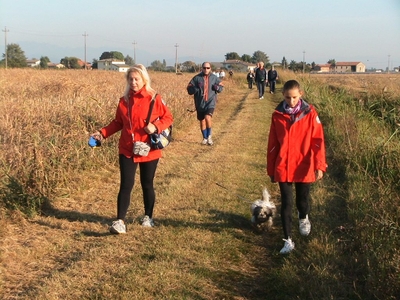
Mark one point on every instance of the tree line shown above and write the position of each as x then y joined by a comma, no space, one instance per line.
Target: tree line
16,59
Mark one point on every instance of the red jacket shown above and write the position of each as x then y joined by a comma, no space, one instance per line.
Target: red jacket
138,105
296,149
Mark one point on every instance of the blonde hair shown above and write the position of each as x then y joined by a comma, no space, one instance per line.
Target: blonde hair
142,71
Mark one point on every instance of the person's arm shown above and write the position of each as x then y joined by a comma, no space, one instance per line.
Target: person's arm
218,86
192,88
272,151
163,116
318,145
114,126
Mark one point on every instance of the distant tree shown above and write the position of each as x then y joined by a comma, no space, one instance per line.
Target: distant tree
112,54
313,64
284,63
260,56
70,62
129,60
117,55
164,63
232,56
44,60
293,65
332,62
94,63
246,58
189,66
157,65
15,56
105,55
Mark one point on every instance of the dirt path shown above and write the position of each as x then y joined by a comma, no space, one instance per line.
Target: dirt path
54,256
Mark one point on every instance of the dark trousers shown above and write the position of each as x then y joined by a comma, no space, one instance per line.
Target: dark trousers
272,85
250,84
127,172
302,203
261,88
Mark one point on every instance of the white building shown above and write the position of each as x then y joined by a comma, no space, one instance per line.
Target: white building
112,65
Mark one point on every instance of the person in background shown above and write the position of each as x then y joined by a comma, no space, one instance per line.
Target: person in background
204,88
250,79
272,78
295,156
130,119
254,72
222,74
260,78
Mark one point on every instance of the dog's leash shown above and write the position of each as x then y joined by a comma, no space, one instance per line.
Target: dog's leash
237,195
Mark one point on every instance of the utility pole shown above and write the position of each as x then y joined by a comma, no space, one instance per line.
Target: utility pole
85,35
134,52
176,57
5,43
388,63
304,59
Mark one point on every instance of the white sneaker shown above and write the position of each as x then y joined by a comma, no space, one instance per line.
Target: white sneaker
147,222
118,227
210,141
204,142
304,226
288,247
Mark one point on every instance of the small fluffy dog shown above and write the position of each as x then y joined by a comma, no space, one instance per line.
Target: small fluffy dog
263,211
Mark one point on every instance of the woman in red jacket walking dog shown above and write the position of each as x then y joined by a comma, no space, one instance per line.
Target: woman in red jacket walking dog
296,154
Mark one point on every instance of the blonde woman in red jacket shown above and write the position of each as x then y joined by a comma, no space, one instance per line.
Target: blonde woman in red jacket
130,119
296,154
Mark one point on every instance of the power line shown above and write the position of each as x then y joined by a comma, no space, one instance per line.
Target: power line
176,57
5,43
134,52
85,35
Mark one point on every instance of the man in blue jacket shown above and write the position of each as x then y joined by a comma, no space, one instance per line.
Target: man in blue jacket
205,86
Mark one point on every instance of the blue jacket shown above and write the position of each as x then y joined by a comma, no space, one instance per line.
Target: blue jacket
196,88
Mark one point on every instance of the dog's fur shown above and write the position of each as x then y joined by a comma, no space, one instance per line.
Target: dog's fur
263,211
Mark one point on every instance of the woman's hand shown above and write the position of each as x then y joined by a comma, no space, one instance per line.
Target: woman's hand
150,128
319,175
97,136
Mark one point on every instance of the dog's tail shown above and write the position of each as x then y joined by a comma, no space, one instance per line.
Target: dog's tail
265,195
267,198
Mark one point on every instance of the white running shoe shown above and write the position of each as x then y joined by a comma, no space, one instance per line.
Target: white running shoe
147,222
288,247
304,226
118,227
204,142
210,141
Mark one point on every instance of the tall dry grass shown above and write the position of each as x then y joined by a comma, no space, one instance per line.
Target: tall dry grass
203,247
46,119
362,124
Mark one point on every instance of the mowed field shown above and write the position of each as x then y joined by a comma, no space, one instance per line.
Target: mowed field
203,246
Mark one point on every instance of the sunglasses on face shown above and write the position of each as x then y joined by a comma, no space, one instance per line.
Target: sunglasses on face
206,68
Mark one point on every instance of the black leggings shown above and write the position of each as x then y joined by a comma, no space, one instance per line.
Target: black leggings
302,203
127,171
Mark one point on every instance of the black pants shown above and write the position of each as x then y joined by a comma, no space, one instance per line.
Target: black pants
302,203
250,82
272,85
127,171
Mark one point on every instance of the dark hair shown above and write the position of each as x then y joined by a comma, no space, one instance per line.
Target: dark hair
291,84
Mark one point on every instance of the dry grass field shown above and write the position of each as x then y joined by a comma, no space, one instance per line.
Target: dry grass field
203,246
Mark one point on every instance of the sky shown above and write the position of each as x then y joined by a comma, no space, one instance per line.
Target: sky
365,31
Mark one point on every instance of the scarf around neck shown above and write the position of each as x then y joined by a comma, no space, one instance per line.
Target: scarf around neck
292,110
